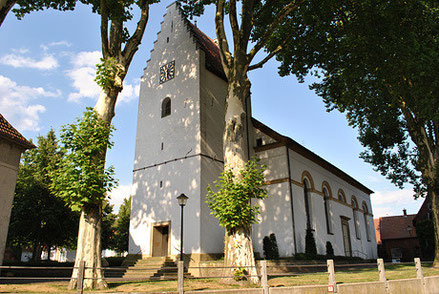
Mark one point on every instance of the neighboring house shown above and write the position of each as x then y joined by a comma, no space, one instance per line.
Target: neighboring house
425,229
12,145
179,150
396,237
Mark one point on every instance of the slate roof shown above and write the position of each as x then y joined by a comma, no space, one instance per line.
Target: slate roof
395,227
213,58
305,152
8,132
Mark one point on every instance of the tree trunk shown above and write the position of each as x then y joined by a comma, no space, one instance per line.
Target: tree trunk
5,6
235,141
238,253
435,212
238,246
89,249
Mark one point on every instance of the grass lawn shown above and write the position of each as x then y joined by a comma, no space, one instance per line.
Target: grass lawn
393,272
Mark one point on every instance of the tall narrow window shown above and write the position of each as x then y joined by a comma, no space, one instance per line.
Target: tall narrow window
307,203
327,211
355,215
366,221
166,107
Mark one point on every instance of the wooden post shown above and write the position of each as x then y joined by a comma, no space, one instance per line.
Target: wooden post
180,281
332,284
80,282
419,273
264,277
382,271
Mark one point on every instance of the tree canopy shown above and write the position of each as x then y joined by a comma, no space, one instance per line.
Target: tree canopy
79,178
377,62
38,217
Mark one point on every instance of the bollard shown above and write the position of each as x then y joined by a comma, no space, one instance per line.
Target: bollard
382,271
264,277
180,286
80,282
332,284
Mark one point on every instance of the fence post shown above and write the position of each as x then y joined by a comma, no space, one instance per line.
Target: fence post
80,282
419,273
382,271
264,278
332,284
180,281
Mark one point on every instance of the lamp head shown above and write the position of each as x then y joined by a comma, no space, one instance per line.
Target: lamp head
182,199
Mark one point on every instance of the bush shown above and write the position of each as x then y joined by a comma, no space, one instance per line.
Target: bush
310,244
329,250
271,250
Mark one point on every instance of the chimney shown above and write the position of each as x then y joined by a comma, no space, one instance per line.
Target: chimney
405,212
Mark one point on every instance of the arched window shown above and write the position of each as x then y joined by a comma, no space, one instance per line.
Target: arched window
327,210
341,196
166,107
306,188
354,204
366,220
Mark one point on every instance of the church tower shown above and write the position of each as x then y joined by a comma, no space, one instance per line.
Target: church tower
178,142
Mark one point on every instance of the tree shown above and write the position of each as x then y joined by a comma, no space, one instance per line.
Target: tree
108,220
118,49
83,182
38,217
258,21
122,227
377,61
231,205
26,6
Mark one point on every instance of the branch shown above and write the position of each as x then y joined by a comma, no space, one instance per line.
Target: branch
5,7
234,24
247,21
273,26
104,28
133,43
263,61
116,33
226,57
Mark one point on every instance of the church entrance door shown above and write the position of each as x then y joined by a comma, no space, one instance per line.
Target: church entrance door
160,240
346,237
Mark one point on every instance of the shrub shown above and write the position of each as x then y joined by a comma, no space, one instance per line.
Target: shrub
329,250
310,244
271,250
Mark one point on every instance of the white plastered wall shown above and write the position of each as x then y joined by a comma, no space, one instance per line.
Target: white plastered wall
180,135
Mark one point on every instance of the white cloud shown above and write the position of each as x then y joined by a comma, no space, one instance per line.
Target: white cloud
17,106
388,203
83,73
48,62
119,194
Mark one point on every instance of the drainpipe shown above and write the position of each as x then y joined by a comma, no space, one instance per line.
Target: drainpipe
291,198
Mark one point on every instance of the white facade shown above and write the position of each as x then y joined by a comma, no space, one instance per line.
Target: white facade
179,150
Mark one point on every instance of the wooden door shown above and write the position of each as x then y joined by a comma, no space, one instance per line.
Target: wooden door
160,236
346,237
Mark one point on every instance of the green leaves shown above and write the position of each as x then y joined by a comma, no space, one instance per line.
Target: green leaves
81,178
376,60
231,204
108,73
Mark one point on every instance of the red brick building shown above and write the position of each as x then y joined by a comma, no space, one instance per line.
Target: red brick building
396,237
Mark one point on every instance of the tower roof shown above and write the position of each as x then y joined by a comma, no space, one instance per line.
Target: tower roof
211,49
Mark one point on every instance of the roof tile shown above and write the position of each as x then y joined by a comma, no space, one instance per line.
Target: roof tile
9,132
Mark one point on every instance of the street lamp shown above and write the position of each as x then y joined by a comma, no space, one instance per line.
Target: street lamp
182,199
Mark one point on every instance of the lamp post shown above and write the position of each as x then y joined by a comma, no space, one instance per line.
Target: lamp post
182,202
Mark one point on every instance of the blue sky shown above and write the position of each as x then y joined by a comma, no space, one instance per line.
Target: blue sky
46,80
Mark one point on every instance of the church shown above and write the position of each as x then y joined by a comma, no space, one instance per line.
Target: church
179,150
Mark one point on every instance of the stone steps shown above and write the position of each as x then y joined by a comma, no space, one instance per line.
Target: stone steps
152,268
